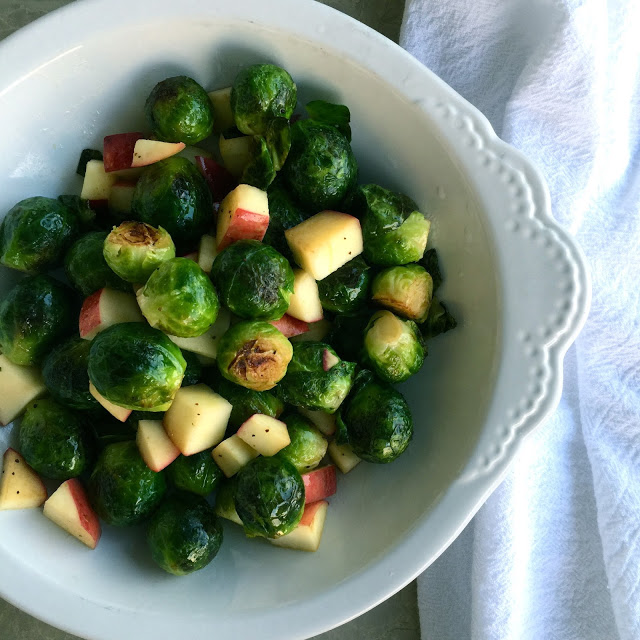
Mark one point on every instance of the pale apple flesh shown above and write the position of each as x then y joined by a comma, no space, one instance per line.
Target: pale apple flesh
20,385
265,434
329,360
319,483
97,184
20,486
317,332
222,114
307,535
325,422
105,308
207,252
154,445
118,412
118,150
232,454
289,326
206,345
343,456
305,302
243,215
236,153
148,152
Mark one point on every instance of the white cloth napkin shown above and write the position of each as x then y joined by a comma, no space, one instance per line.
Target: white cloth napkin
555,552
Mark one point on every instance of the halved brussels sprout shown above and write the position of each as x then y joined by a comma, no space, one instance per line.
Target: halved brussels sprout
438,321
431,263
406,290
316,378
347,289
179,110
283,214
308,446
36,314
269,497
254,280
377,420
394,348
393,229
254,354
35,234
172,194
136,366
135,249
122,488
65,372
321,169
179,299
53,441
197,474
260,172
261,93
86,267
184,534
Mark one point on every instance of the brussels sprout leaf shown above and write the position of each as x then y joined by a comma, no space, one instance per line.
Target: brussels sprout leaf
278,139
438,321
336,115
260,172
85,214
430,263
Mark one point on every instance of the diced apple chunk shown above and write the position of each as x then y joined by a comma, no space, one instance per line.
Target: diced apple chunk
319,483
218,178
289,326
118,150
324,242
20,486
222,114
148,152
236,153
207,253
191,153
325,422
343,456
20,385
317,332
206,345
197,419
105,308
329,360
154,444
307,535
119,413
97,183
232,454
264,434
305,302
243,215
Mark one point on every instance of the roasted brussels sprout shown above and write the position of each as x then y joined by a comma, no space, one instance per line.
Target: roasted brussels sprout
321,169
81,209
308,446
393,229
35,234
36,314
261,93
66,375
336,115
197,474
394,348
346,335
52,440
226,499
316,378
347,289
172,194
179,299
278,141
283,214
259,172
122,489
254,354
193,372
136,366
254,280
86,268
178,109
377,420
269,497
431,263
135,249
406,290
438,321
184,534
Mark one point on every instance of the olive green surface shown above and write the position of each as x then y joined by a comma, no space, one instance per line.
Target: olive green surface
394,619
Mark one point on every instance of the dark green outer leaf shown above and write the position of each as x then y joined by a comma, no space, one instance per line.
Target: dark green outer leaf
438,321
278,140
260,172
347,289
283,214
197,474
431,263
336,115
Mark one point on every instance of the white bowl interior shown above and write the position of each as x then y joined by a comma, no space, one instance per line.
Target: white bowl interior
70,103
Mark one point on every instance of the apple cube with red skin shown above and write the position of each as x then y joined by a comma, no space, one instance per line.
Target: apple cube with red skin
70,509
121,196
264,434
319,483
105,308
305,302
118,412
243,215
219,179
20,385
146,152
232,454
329,360
343,456
307,535
97,184
289,326
20,486
154,445
117,150
317,332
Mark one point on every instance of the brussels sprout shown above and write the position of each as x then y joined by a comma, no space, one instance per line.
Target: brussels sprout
135,249
346,335
122,489
136,367
259,94
81,209
254,280
260,172
107,430
179,299
254,354
178,109
316,378
336,115
406,290
377,420
226,499
321,169
184,534
85,156
269,497
283,214
431,263
197,473
86,268
65,373
52,440
393,347
308,446
438,321
278,141
35,234
193,372
172,194
346,290
393,229
34,316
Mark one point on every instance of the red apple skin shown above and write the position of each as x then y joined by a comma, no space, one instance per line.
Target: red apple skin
309,512
245,225
319,483
289,326
118,150
219,178
86,514
90,313
329,360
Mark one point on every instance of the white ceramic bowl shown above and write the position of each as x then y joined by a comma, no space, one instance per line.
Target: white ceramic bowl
514,279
